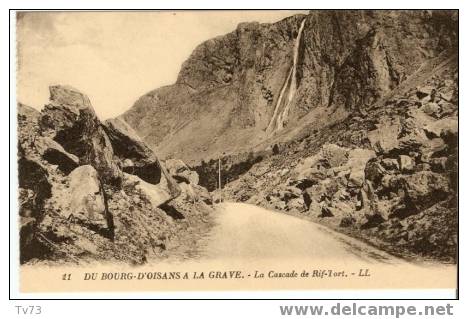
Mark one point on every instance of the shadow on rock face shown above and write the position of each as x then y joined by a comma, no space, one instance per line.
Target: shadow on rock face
65,163
172,211
33,176
150,172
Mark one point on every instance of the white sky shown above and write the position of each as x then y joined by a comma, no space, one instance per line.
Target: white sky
114,57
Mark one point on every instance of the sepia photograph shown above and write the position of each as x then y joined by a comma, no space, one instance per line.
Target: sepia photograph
237,150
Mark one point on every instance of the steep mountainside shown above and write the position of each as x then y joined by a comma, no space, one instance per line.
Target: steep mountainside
389,177
263,83
348,118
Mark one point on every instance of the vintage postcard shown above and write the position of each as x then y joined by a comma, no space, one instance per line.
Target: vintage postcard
237,150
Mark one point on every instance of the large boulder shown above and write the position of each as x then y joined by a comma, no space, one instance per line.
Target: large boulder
125,141
55,154
188,193
297,204
374,171
71,121
431,109
86,196
425,188
67,95
334,155
348,165
203,194
137,158
439,127
157,195
181,172
385,137
312,169
357,161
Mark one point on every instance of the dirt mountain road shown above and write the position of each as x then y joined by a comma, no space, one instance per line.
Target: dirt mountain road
246,232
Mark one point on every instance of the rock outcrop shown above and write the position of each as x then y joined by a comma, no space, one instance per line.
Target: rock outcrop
86,197
54,153
188,181
70,120
137,159
180,171
92,191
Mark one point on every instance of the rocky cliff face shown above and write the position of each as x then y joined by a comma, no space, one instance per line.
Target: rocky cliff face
94,191
251,85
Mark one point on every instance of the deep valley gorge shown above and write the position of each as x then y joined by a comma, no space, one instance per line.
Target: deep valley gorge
346,119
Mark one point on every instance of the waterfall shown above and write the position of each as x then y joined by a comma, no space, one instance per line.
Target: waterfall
278,119
293,86
278,103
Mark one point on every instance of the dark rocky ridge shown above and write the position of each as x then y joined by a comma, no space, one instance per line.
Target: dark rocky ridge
93,191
